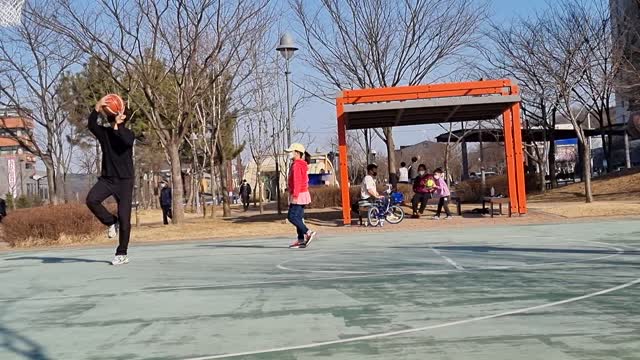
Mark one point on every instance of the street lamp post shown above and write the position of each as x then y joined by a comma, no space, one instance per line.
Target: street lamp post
287,48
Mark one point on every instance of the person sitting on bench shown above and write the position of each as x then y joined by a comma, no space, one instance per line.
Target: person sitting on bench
423,187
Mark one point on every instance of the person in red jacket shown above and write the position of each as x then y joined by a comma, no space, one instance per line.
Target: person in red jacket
299,197
423,187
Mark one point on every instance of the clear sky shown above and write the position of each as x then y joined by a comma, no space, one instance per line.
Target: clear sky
319,117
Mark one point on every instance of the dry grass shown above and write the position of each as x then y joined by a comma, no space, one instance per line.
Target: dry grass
580,209
622,186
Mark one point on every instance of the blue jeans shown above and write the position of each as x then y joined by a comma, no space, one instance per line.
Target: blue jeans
296,215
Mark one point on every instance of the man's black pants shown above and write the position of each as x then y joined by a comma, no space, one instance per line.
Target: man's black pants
122,191
420,198
166,214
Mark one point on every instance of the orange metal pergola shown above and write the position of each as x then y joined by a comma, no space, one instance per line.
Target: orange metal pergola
432,104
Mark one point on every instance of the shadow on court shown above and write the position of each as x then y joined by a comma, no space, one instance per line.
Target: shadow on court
489,249
58,260
221,246
327,218
21,346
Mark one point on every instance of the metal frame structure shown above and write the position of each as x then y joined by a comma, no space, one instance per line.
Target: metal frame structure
432,104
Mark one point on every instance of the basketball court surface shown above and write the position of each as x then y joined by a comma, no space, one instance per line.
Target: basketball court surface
552,292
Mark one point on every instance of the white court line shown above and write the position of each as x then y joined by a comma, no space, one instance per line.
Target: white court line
619,251
425,328
354,275
451,262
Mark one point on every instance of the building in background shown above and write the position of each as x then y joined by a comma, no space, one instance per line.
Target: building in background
18,174
625,15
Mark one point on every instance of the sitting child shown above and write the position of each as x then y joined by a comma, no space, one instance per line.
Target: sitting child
423,187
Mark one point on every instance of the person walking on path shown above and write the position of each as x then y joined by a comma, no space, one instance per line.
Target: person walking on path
3,209
117,177
165,202
299,196
245,194
442,190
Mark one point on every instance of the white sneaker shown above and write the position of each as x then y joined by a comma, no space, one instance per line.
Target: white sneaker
436,218
113,230
120,260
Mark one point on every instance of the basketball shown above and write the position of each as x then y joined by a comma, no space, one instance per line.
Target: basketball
633,126
114,104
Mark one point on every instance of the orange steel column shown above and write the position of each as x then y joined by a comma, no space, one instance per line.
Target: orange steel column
519,158
344,172
509,155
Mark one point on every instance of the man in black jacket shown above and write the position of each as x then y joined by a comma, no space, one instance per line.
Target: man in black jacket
165,202
245,194
117,178
3,209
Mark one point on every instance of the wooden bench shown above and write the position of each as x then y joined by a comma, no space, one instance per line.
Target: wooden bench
496,200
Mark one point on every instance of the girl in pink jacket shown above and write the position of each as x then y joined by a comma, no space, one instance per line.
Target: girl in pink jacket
299,197
442,189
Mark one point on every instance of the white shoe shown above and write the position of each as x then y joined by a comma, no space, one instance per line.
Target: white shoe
120,260
113,230
436,218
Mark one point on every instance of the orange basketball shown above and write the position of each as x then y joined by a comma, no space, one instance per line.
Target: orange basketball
114,104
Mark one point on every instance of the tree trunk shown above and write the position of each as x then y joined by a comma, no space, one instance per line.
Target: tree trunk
51,182
552,161
177,188
212,174
391,154
465,161
542,178
627,152
586,173
226,206
260,191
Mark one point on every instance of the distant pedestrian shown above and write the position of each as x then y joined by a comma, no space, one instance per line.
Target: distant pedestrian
403,173
3,209
245,194
165,202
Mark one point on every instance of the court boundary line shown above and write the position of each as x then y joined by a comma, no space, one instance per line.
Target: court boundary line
619,252
447,259
420,329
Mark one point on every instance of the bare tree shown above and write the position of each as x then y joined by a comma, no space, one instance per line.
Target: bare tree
166,50
33,60
380,43
563,33
602,66
512,53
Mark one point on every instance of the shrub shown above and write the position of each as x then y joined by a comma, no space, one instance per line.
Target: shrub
329,196
23,202
49,225
9,200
